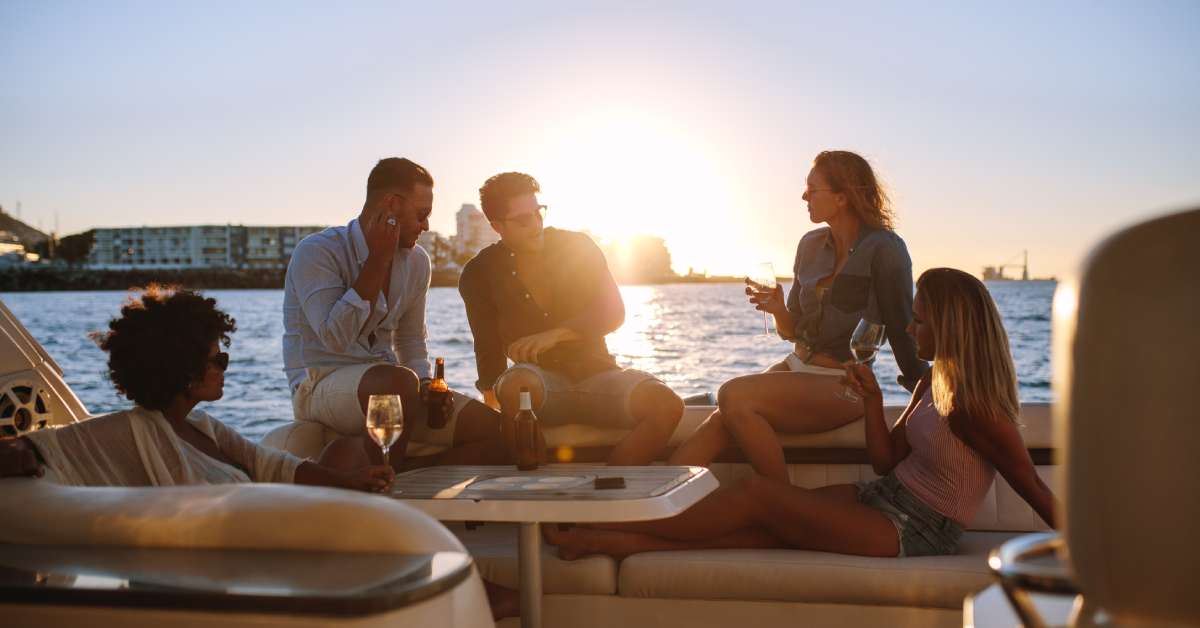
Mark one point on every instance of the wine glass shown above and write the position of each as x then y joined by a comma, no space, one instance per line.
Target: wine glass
385,420
864,343
762,279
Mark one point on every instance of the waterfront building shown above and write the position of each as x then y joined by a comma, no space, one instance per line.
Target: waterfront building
440,249
196,246
474,232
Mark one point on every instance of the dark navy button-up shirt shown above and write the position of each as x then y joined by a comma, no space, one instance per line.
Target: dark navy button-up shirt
583,297
875,283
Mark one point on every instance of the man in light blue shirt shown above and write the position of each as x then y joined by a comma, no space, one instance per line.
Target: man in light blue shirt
354,325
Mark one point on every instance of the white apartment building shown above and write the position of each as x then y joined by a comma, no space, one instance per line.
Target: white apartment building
473,233
200,246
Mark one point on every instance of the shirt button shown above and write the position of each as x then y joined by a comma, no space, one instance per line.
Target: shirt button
545,313
526,295
514,273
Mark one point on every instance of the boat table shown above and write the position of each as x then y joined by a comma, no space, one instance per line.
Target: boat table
550,494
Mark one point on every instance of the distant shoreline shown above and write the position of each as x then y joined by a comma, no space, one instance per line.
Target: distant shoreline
59,279
56,279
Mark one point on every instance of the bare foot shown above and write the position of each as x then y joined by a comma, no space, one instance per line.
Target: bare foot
577,542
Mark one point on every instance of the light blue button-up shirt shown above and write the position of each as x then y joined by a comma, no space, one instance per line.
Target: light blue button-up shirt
327,324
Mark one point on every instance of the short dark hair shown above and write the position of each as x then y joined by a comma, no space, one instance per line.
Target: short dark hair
159,345
496,192
396,173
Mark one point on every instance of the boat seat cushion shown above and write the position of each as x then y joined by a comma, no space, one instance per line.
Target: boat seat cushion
494,548
804,576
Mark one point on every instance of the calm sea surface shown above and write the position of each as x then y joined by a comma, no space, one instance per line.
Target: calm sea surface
693,336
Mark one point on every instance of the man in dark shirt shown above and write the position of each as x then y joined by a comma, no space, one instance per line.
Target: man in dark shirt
545,299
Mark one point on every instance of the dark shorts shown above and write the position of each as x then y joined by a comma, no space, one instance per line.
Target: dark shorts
602,400
922,530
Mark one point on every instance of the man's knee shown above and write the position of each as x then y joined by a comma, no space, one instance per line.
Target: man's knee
386,379
508,389
654,401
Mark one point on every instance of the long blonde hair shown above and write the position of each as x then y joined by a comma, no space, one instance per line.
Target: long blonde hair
973,370
848,173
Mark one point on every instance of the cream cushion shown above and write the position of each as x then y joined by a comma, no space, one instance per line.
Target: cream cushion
803,576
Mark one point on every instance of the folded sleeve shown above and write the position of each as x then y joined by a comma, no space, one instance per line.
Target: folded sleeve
331,307
891,271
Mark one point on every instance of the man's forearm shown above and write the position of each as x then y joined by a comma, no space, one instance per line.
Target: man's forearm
370,279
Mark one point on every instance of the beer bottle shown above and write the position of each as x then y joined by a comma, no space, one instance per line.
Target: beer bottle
528,434
435,400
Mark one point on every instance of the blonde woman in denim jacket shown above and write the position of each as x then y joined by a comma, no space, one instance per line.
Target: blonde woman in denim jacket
853,267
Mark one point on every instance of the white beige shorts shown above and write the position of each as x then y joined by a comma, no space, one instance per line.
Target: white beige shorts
329,395
796,365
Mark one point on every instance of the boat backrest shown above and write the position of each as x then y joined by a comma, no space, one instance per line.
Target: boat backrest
33,393
39,511
1126,343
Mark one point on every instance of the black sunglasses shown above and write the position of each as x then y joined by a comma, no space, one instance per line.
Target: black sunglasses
220,360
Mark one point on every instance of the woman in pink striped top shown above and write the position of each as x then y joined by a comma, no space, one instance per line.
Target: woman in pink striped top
937,462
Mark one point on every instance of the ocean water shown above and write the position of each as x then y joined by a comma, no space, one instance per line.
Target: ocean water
693,336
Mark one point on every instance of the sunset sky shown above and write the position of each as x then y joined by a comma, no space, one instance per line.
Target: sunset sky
998,128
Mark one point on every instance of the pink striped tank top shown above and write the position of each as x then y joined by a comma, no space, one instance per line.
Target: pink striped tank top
941,470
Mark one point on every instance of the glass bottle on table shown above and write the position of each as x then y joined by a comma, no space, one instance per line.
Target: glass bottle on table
435,397
528,434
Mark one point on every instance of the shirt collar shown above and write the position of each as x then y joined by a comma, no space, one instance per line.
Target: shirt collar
863,232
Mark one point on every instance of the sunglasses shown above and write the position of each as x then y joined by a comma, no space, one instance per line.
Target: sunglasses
220,360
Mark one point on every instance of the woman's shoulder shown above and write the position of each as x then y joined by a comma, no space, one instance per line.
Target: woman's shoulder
207,423
885,245
812,241
820,234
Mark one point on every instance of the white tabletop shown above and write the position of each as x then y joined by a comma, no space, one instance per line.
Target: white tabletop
553,493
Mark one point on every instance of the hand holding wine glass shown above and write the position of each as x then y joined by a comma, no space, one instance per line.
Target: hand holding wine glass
864,343
385,421
763,289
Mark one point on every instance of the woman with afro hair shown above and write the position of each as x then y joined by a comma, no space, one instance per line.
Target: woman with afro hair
164,355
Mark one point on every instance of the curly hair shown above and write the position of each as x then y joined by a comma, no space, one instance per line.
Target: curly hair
497,191
850,174
160,343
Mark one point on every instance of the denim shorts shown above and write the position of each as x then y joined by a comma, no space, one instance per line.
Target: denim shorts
922,530
602,400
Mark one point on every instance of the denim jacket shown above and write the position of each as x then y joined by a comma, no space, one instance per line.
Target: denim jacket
875,283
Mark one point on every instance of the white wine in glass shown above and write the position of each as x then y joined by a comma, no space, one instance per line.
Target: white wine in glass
385,421
762,279
864,344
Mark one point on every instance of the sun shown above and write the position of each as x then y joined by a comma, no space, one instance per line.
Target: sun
620,172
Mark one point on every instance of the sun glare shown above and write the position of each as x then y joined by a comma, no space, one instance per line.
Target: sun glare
622,172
